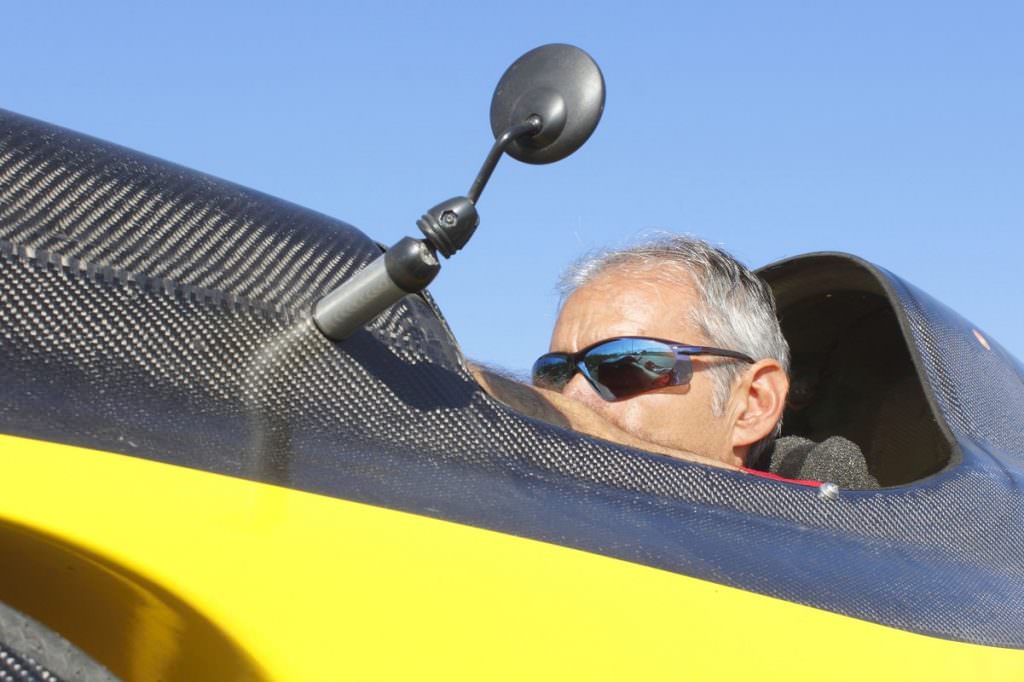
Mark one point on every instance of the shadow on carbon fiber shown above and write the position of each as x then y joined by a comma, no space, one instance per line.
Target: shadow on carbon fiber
157,312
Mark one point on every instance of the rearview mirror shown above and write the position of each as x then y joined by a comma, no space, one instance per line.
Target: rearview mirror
564,87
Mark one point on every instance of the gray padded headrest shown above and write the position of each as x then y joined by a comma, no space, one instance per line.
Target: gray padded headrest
835,460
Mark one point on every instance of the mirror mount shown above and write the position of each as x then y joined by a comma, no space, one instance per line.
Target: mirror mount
545,107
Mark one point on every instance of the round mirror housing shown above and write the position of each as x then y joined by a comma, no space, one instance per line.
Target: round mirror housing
564,87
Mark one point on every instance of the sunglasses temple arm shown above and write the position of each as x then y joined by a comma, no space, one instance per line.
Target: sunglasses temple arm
720,352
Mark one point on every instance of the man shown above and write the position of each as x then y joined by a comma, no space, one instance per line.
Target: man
715,393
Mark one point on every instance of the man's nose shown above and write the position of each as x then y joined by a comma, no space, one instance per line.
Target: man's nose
580,390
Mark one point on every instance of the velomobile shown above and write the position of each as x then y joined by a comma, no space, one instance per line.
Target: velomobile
199,484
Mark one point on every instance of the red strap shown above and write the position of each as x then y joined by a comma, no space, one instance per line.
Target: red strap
776,477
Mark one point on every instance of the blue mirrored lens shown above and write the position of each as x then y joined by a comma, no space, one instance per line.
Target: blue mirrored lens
626,367
553,371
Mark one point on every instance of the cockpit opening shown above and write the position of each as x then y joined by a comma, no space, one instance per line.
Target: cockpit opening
852,371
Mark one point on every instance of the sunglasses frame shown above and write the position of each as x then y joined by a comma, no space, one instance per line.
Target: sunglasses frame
683,352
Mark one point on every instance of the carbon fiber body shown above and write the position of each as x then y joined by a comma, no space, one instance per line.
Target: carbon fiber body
153,311
31,652
14,668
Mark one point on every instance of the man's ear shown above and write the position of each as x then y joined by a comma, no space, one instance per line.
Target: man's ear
758,402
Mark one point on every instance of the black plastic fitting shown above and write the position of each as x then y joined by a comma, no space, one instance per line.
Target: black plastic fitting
450,224
411,265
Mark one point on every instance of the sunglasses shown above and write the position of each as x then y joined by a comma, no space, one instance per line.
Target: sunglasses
625,366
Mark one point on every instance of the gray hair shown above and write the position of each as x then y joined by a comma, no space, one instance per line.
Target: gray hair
736,311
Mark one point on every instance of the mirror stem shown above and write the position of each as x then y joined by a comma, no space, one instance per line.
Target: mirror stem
411,264
529,128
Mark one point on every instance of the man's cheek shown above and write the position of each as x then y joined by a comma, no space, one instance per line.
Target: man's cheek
636,418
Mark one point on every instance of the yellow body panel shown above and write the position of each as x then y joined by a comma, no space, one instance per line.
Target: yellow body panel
163,572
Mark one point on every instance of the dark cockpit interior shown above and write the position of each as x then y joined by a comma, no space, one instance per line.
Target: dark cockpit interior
852,372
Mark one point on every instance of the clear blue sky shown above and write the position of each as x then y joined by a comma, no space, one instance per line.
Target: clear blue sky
892,130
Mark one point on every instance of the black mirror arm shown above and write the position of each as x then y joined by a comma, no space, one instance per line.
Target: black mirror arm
411,264
530,127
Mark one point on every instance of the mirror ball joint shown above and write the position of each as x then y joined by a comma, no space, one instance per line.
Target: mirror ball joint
449,225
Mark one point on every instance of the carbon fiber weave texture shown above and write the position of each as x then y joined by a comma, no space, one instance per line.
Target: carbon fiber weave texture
32,652
153,311
980,386
14,668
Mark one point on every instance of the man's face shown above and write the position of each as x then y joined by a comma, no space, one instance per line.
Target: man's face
621,302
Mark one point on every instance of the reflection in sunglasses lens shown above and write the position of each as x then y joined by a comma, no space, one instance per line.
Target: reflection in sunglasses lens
626,367
552,371
617,368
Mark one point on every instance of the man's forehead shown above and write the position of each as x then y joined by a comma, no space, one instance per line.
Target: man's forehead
657,279
629,301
